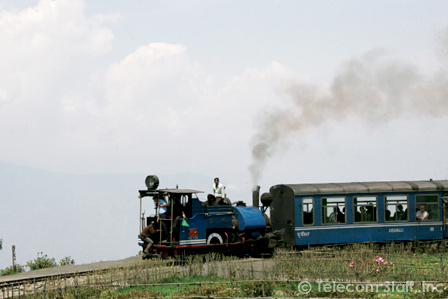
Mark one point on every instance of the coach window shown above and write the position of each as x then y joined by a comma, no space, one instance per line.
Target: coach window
307,208
431,203
365,208
396,208
333,210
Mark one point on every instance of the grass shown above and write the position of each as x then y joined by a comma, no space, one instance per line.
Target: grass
175,285
326,269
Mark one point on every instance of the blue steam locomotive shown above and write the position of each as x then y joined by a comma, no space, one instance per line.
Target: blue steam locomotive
193,226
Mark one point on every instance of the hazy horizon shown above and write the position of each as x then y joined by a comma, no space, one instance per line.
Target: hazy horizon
253,92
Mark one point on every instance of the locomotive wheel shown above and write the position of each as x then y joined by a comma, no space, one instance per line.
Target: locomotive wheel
214,239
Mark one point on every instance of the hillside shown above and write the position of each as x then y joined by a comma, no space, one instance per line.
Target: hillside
88,217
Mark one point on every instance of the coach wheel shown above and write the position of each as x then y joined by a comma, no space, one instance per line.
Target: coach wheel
214,239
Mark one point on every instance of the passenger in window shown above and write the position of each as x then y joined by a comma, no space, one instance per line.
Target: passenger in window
370,213
401,215
332,218
340,217
366,214
357,216
422,214
388,215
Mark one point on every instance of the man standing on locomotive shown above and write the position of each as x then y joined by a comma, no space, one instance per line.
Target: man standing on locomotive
161,207
218,191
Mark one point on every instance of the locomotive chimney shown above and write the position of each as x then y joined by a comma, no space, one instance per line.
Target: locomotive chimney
256,196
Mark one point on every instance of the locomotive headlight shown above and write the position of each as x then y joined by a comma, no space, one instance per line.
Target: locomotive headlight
152,182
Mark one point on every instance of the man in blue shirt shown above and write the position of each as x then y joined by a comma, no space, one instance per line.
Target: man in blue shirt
161,207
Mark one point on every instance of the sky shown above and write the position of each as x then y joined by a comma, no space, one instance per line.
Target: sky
253,92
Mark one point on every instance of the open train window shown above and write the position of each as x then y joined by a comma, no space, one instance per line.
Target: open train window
365,208
307,211
333,210
431,204
396,208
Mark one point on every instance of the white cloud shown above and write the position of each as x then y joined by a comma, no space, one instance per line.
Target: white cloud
61,100
154,78
47,50
161,95
59,103
53,31
47,57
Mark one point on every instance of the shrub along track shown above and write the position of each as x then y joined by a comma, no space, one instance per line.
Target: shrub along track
18,281
112,274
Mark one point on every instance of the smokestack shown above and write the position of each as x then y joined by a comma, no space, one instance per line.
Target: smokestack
256,196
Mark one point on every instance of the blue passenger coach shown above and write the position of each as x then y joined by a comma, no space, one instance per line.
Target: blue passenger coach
312,214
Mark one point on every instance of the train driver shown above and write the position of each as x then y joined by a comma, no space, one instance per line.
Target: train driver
422,214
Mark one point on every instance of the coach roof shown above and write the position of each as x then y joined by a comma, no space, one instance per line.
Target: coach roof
368,187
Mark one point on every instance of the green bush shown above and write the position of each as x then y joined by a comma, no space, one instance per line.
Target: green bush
67,261
255,289
208,290
10,270
41,262
74,293
137,292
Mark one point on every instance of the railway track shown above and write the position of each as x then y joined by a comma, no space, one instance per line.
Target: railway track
55,282
68,270
14,284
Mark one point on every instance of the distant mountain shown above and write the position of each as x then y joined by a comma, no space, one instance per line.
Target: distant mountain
88,217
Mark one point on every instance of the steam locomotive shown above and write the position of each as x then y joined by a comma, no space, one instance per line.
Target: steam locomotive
207,227
306,214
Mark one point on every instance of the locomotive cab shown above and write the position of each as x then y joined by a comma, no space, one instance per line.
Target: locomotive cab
179,206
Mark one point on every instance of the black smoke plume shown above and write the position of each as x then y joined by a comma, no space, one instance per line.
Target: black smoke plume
371,87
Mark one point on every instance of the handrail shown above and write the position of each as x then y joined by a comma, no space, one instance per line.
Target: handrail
218,214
